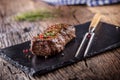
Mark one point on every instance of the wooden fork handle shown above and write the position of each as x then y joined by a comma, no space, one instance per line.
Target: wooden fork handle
95,20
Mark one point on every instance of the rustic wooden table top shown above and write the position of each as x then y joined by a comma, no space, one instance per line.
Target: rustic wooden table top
105,66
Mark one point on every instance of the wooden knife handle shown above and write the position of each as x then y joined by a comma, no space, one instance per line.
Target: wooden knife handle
95,20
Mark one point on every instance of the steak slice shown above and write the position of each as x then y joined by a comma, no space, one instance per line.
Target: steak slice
52,40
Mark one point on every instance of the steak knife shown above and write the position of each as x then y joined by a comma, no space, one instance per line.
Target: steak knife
89,36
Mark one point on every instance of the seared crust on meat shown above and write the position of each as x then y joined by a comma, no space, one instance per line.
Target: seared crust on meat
53,40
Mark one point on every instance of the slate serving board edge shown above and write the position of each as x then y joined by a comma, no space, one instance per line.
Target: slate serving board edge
26,69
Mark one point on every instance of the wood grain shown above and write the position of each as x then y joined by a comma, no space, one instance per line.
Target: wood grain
101,67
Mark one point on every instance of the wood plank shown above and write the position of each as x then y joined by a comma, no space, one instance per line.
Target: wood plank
104,66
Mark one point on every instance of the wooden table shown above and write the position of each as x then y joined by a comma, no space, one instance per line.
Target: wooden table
105,66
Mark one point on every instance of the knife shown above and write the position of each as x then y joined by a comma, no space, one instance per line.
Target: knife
89,36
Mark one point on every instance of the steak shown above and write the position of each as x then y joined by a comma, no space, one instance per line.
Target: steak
52,40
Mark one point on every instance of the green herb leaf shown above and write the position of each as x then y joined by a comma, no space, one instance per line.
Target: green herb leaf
34,15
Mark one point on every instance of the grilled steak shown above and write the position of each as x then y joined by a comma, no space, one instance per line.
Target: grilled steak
52,40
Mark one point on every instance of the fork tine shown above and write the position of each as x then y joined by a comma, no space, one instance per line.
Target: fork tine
89,44
81,45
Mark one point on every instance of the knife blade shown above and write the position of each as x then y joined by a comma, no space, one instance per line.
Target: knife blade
89,36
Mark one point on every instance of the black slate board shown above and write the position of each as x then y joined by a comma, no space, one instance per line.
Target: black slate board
106,38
